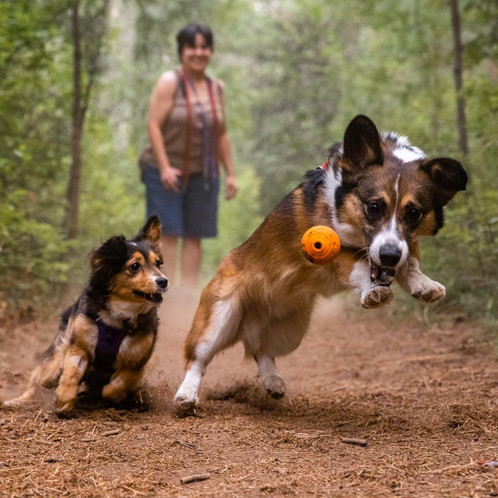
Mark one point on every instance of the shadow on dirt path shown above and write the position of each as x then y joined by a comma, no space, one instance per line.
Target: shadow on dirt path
424,398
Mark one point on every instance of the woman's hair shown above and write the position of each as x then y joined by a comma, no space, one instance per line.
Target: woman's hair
186,37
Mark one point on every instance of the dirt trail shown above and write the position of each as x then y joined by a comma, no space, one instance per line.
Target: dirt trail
425,398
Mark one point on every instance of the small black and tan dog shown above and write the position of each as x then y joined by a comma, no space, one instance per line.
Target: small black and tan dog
106,338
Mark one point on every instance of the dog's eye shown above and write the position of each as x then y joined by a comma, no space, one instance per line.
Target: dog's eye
159,263
134,267
375,208
413,215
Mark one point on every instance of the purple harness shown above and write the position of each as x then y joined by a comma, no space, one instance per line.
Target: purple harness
108,344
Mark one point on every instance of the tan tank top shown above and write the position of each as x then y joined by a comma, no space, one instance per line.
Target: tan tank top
175,126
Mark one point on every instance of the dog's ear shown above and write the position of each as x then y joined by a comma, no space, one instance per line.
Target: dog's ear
110,256
447,174
151,231
361,144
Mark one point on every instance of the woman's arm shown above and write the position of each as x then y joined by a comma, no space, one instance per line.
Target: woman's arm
226,154
226,159
161,102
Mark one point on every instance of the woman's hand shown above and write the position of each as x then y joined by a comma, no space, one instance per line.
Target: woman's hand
170,178
231,187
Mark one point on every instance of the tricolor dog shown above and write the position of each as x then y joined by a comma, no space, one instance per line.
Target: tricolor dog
106,338
381,195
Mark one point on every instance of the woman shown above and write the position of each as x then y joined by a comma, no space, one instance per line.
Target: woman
187,133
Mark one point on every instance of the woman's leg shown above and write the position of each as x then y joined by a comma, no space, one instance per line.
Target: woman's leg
191,262
169,246
200,211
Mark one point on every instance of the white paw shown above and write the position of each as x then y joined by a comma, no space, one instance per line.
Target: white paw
376,296
186,399
274,385
426,289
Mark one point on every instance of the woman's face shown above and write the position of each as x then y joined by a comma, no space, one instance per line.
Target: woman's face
195,58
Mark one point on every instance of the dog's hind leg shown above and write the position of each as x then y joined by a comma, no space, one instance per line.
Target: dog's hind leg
46,374
215,327
271,378
28,394
267,339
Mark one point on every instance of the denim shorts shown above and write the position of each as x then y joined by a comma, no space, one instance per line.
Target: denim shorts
192,212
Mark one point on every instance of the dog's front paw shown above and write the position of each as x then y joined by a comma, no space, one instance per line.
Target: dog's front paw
67,411
65,398
426,289
64,410
376,296
114,394
275,386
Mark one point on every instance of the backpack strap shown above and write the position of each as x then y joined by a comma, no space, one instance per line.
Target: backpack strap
188,131
215,119
186,83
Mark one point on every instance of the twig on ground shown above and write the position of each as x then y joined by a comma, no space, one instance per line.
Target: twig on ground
115,432
89,440
194,478
354,441
454,467
134,491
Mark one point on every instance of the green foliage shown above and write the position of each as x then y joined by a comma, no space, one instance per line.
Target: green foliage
112,197
33,260
34,83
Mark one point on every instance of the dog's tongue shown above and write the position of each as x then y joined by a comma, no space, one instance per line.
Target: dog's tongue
374,272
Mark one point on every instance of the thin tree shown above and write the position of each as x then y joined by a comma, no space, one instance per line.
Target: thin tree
89,22
458,77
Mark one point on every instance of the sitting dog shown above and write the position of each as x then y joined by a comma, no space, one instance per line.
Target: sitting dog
381,195
106,338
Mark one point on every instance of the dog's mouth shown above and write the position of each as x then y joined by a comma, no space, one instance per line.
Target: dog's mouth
157,297
381,275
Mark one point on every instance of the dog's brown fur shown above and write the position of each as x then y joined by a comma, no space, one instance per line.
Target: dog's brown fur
381,195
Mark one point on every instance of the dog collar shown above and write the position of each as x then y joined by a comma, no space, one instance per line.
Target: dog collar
108,344
325,165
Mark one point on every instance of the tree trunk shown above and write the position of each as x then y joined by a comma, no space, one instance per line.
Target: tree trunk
458,76
73,191
93,36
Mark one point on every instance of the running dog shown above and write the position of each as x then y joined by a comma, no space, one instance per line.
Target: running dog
381,195
106,338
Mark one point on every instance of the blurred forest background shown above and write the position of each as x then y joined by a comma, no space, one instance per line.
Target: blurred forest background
75,81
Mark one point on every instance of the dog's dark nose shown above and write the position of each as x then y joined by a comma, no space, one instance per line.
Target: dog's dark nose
389,254
162,282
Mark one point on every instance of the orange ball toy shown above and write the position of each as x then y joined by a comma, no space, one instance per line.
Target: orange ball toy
320,245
